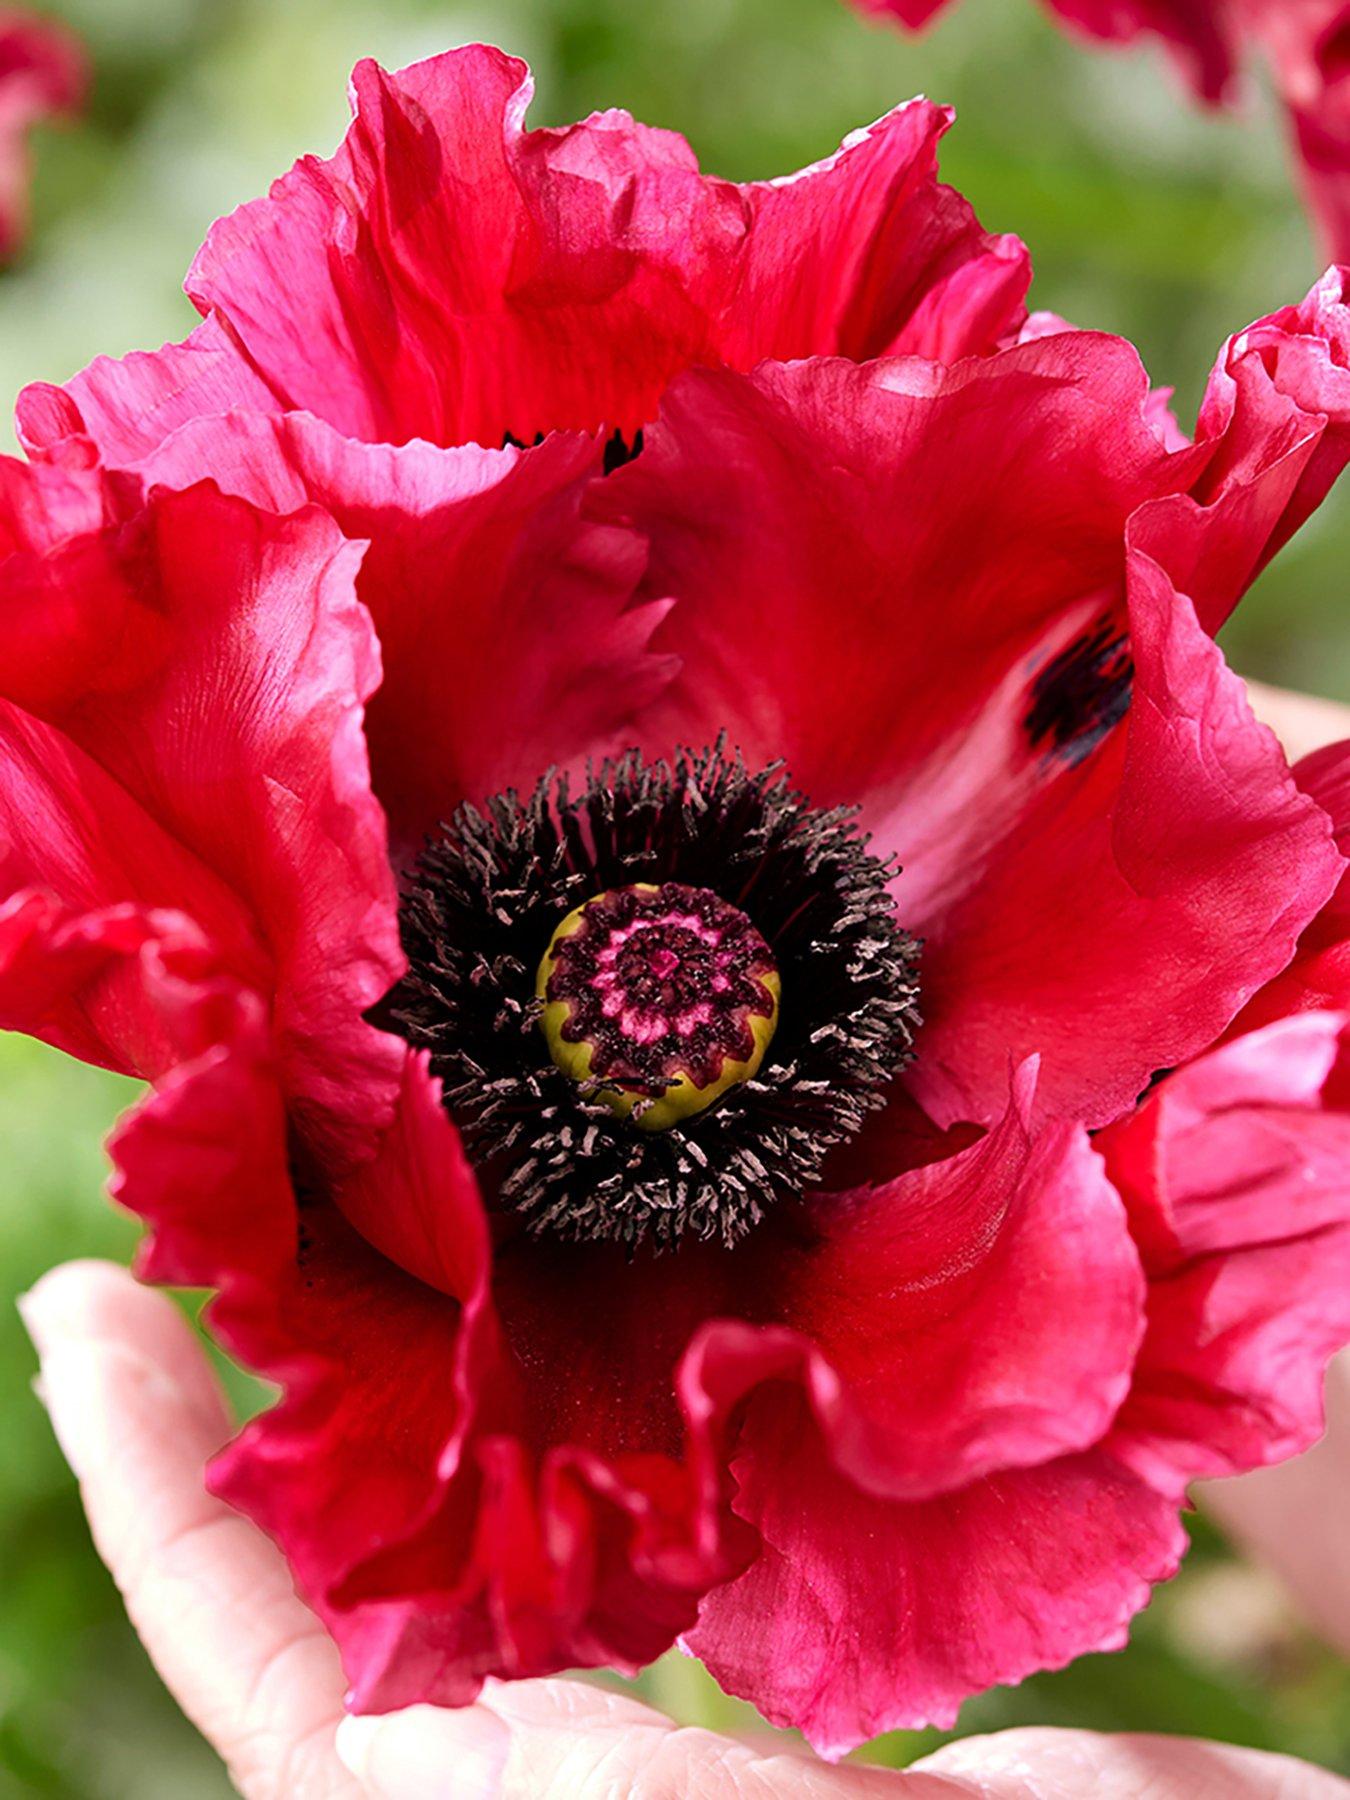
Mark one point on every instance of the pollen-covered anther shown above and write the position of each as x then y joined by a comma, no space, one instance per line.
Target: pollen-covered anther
657,999
670,900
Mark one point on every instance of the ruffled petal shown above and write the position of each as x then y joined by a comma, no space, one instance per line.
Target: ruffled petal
508,637
1324,774
204,1161
860,1615
825,548
437,1519
384,1376
1275,428
818,530
451,276
182,726
510,1522
380,1369
204,1158
979,1314
1235,1175
42,504
127,406
1318,976
80,980
1128,885
73,831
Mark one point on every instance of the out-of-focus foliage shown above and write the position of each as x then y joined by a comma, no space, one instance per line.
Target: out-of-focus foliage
1144,217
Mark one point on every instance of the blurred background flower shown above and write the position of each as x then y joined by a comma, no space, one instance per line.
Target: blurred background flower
1304,40
1144,217
43,75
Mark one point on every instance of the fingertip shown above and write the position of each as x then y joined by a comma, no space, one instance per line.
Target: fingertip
99,1305
119,1415
62,1302
1056,1763
410,1755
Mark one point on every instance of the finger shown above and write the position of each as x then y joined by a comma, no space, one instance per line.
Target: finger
1044,1764
137,1412
1292,1517
567,1740
1302,722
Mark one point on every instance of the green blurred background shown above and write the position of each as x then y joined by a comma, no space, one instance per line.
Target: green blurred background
1144,216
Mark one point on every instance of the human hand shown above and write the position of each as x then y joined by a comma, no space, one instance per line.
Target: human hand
137,1411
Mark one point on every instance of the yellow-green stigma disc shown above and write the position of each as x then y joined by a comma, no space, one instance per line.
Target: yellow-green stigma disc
659,998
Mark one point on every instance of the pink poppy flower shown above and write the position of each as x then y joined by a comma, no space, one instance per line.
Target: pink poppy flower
43,75
491,717
1306,42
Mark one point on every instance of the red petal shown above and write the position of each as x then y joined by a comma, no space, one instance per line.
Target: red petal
183,726
818,529
826,551
1275,426
507,634
435,1517
981,1313
1318,977
451,276
204,1159
128,406
1128,884
862,1615
82,980
1234,1173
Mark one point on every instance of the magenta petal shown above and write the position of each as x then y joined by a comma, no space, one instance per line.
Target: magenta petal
980,1314
508,634
82,980
72,831
204,1158
1129,958
1235,1174
198,743
418,1203
833,503
1108,793
127,406
1275,428
383,1373
557,279
861,1615
449,275
433,1521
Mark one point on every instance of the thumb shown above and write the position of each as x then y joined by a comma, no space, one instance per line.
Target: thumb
568,1740
565,1740
409,1755
1046,1763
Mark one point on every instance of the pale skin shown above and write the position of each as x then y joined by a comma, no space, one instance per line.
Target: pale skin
137,1410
